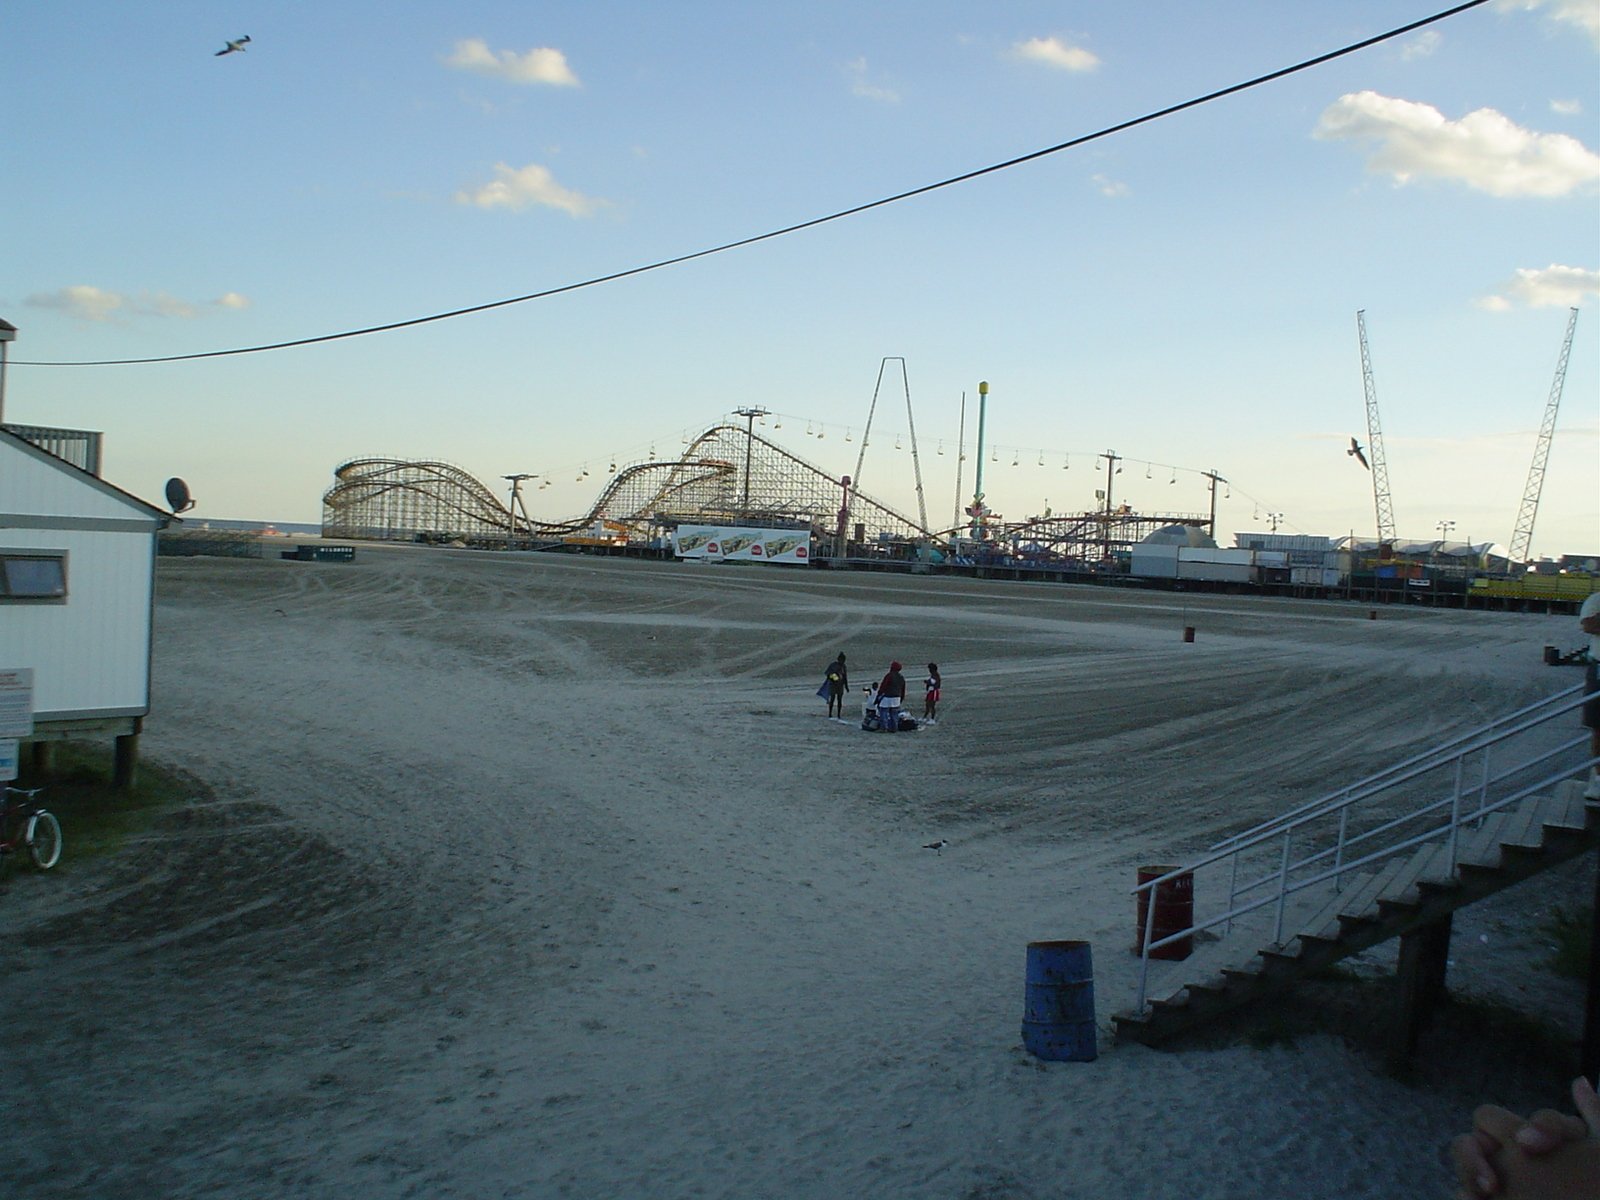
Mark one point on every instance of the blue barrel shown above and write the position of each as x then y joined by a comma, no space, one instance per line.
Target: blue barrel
1058,1009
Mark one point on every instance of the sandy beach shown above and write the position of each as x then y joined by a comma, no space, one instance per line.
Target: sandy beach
540,876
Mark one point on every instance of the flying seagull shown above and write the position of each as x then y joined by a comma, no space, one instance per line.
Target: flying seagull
937,847
234,45
1355,449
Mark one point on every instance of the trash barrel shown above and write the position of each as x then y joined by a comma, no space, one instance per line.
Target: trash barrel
1174,902
1188,633
1058,1007
1551,656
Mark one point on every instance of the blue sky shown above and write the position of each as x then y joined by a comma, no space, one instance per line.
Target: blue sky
1183,293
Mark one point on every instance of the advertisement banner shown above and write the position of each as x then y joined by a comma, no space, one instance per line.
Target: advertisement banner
733,543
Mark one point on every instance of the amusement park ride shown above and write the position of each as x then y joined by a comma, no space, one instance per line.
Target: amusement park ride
734,474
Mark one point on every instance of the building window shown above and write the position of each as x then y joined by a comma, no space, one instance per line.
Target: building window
40,576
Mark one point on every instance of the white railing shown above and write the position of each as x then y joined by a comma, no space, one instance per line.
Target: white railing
1399,808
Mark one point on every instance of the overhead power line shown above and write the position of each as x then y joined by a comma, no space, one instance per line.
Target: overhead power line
595,281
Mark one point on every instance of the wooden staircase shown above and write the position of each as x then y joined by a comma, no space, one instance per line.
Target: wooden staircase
1414,891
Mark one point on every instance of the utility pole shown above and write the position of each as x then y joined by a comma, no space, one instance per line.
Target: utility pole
749,415
1215,479
515,503
1112,459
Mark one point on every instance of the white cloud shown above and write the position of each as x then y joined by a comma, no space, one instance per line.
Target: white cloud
541,65
518,188
859,86
89,303
1554,286
1566,108
1484,149
1108,186
1423,45
1585,14
1053,52
80,300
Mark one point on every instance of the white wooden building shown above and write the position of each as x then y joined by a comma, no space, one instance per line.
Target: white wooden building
77,595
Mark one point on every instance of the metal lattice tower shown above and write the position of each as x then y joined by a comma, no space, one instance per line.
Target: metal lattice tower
1381,504
1522,538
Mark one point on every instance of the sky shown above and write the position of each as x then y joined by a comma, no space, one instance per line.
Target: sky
1183,293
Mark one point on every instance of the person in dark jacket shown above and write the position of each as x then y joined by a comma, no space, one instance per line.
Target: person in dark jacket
837,681
891,695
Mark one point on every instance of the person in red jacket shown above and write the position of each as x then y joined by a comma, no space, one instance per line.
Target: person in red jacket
891,696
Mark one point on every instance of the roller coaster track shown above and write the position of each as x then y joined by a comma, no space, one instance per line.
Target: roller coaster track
398,499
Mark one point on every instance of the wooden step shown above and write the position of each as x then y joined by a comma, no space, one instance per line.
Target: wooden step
1482,845
1361,905
1324,923
1430,863
1246,976
1522,828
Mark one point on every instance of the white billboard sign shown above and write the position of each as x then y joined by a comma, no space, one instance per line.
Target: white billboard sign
733,543
16,702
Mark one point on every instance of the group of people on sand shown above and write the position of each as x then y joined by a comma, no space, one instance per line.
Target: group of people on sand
884,706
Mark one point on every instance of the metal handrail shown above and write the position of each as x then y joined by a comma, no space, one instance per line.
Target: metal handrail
1375,781
1396,822
1467,804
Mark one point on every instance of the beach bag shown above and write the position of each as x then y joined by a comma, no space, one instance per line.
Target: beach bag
907,723
870,721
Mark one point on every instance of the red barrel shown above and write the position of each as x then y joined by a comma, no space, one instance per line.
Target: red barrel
1174,912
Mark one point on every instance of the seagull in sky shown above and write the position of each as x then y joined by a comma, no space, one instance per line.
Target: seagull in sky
235,45
937,847
1355,449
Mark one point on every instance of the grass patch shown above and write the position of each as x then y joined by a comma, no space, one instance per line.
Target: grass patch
97,819
1481,1021
1571,932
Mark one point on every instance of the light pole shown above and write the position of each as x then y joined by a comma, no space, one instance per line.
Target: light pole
516,502
749,415
1444,531
1273,519
977,487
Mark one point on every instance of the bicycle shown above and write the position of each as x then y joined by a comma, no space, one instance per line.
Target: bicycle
28,823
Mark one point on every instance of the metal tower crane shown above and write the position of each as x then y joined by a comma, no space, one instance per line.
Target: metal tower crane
1380,468
1522,539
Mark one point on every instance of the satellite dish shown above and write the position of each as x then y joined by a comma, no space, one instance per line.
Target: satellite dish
178,496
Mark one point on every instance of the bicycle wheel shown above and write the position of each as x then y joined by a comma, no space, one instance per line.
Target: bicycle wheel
44,840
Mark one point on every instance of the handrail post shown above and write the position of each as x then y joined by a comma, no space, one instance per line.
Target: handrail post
1455,811
1483,785
1233,893
1283,888
1149,932
1338,856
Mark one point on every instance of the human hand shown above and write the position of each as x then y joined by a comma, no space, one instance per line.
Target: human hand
1500,1140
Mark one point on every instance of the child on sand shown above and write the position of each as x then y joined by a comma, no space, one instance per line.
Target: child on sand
930,694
